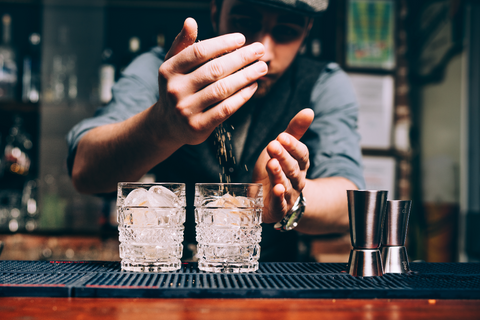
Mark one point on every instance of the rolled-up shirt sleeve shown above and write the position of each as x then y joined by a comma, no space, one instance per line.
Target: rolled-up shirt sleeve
332,139
135,91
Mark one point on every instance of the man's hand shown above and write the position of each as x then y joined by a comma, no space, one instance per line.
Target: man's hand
282,168
201,84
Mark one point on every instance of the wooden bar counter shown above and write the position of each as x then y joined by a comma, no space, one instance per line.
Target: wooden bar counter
99,290
231,309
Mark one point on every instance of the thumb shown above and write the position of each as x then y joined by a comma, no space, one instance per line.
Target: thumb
185,38
300,123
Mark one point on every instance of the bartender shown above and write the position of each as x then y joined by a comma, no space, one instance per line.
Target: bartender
292,121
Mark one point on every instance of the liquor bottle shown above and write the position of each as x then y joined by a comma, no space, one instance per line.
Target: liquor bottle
134,47
16,159
107,77
8,65
31,70
16,156
316,47
133,52
72,77
59,71
161,40
29,205
63,85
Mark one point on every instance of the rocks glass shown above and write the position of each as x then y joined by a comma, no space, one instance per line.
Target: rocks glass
150,223
228,217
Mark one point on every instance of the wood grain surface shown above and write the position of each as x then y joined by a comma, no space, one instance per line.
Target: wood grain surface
231,309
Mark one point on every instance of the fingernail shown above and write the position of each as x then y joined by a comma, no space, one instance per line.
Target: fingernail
261,66
251,87
239,38
258,49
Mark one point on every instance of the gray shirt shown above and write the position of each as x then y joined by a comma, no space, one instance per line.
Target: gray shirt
332,138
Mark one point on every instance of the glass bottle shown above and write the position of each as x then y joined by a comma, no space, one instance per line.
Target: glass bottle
31,70
8,64
107,77
133,52
134,47
316,47
16,155
64,70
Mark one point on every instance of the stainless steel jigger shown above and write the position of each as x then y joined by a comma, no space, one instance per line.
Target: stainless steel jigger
394,254
366,210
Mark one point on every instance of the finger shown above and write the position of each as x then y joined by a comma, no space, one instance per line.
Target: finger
276,174
223,66
185,38
226,87
289,165
300,123
277,205
296,149
203,51
278,202
279,193
221,112
277,177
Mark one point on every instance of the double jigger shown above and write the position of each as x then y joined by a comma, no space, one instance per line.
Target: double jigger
371,214
394,254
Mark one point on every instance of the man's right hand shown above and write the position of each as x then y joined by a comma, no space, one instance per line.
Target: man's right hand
201,84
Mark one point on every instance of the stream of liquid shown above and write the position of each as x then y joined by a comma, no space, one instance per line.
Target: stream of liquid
223,141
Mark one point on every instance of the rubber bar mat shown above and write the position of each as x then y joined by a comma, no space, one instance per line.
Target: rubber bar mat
272,280
102,266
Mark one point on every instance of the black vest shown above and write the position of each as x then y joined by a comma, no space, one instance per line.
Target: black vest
199,163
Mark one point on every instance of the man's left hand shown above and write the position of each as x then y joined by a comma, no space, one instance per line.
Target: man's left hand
282,168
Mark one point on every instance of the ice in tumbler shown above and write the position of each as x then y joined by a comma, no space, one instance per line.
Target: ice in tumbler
150,223
228,218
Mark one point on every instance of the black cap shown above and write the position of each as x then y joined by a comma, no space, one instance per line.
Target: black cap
303,7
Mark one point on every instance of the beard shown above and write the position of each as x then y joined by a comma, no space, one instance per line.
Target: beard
263,89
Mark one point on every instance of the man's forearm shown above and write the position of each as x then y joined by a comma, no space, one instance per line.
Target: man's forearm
117,152
326,210
190,106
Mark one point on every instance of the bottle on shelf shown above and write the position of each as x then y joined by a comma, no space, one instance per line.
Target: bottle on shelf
31,70
316,47
16,155
16,160
63,78
107,77
8,64
161,40
133,52
134,47
29,205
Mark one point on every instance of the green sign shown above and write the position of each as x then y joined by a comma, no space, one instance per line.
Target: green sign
370,34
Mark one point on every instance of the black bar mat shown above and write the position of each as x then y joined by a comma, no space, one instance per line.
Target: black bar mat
272,280
102,266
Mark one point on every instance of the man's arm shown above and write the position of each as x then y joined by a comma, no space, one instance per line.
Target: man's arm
116,152
197,92
282,168
326,210
335,153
